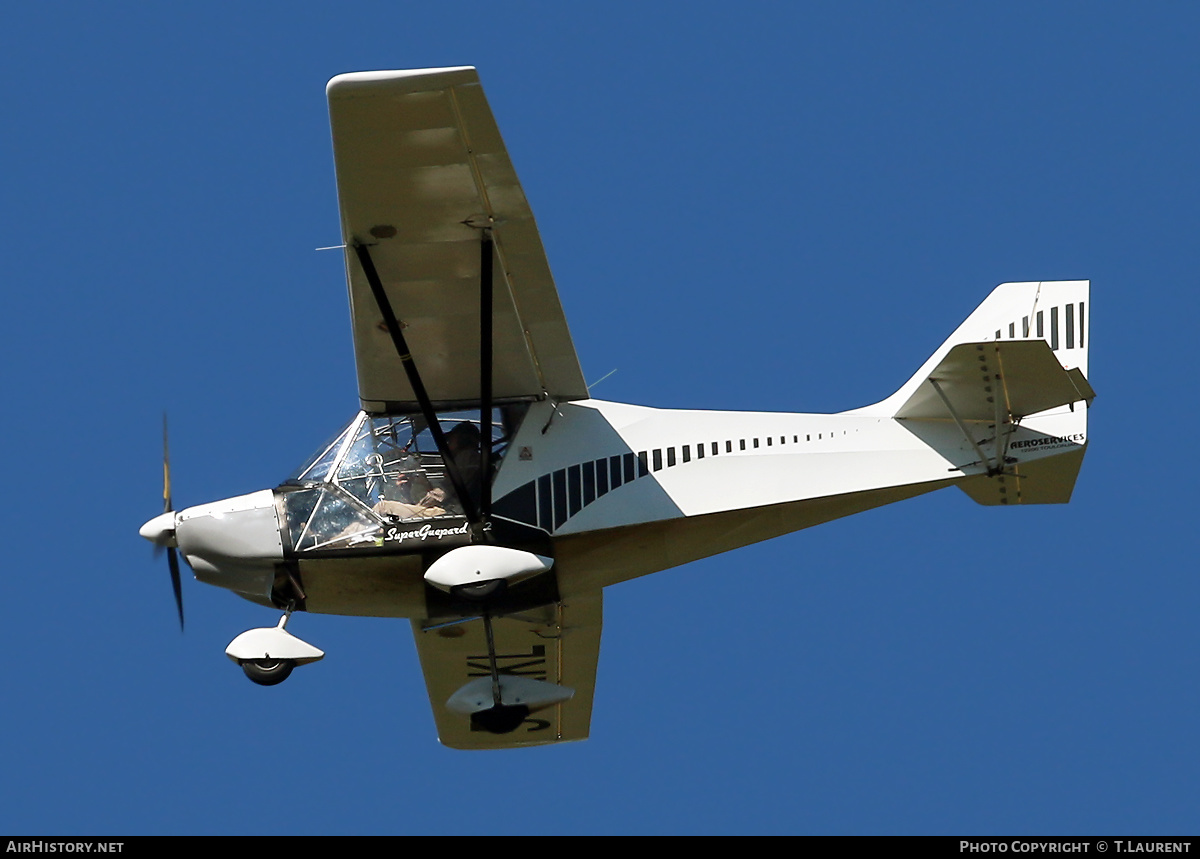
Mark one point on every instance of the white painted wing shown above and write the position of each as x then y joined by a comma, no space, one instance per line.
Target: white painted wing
418,154
556,644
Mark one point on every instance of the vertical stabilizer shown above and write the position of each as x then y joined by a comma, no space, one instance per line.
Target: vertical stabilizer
1057,311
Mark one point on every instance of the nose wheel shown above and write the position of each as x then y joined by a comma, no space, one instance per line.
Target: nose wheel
268,655
268,672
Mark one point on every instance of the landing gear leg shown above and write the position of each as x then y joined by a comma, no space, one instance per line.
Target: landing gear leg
500,718
500,703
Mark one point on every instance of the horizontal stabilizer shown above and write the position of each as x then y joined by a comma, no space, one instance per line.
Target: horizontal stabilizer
1081,385
1024,374
1042,481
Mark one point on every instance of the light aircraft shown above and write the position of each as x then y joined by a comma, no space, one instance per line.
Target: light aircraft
482,493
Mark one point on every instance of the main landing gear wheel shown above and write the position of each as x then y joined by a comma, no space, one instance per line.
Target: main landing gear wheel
268,672
480,590
500,718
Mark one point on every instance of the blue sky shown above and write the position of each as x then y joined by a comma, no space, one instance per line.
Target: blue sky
780,207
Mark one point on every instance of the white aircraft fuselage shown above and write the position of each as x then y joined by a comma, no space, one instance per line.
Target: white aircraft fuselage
623,491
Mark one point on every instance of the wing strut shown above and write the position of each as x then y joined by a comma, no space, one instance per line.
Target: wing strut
414,379
983,457
1001,449
486,289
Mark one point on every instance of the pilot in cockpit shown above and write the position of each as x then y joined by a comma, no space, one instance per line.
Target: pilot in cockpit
411,495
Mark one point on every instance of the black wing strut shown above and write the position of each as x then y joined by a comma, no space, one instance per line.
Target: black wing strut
414,379
485,375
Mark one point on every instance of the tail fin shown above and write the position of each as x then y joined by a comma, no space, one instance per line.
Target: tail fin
994,407
1054,311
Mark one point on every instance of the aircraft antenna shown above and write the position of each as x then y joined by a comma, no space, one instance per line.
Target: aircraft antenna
601,379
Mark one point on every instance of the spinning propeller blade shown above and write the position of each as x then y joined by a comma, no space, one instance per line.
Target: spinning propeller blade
172,555
176,582
166,469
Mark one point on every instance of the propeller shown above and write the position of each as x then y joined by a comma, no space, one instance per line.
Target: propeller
161,529
172,554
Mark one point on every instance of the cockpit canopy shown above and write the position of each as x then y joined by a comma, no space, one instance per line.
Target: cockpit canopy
378,472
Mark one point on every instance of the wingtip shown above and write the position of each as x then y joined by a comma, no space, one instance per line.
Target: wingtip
403,80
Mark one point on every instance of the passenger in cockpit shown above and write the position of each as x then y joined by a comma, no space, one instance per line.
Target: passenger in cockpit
463,442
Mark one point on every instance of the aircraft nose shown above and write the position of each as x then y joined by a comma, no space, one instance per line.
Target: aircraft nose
244,528
160,530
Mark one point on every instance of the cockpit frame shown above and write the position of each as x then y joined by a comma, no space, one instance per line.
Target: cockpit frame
381,478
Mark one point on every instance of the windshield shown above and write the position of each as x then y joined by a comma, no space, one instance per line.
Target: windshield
316,467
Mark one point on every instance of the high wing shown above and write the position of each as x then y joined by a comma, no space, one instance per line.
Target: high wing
555,644
421,172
